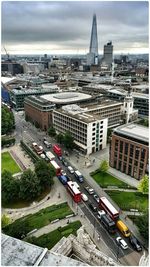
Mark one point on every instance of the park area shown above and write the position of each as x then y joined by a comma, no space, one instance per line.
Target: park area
9,164
105,180
37,220
49,240
129,200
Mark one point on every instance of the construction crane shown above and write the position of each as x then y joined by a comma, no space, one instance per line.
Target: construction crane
6,53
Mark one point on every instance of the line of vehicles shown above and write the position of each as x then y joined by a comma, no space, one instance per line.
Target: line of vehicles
106,213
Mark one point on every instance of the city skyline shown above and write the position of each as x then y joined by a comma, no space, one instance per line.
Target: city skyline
64,27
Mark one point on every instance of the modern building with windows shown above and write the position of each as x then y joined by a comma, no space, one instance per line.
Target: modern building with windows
108,54
129,150
89,131
39,111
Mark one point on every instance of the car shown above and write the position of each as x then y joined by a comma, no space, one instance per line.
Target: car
64,162
121,242
100,213
89,190
92,207
96,197
70,169
63,173
60,158
135,243
84,197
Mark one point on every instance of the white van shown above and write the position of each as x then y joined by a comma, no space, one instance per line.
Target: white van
79,176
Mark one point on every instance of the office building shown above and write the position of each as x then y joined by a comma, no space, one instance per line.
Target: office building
92,56
38,111
89,131
108,54
129,150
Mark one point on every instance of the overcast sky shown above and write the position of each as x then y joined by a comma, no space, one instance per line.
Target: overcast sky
57,27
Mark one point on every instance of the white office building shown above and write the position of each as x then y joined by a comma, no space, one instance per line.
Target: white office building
89,131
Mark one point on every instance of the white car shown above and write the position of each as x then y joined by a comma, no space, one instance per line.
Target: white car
100,213
121,242
84,197
70,169
89,190
63,173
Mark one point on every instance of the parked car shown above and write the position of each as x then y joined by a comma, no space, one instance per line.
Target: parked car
70,169
89,190
92,207
84,197
64,162
135,243
121,242
96,197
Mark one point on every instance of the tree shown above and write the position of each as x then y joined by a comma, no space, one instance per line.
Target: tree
143,224
104,166
45,173
60,138
17,229
8,121
51,131
68,140
30,186
144,184
5,220
10,187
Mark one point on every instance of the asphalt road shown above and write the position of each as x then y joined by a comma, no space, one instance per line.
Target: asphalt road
27,132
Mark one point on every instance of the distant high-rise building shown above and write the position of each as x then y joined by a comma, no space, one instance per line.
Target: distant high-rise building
92,56
108,54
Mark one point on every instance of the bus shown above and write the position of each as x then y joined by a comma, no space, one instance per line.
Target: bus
74,191
108,208
56,167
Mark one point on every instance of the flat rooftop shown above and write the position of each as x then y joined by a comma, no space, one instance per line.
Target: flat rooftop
15,252
105,103
124,93
33,91
136,131
66,97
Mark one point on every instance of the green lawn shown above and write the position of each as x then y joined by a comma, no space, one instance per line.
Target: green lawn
39,219
49,240
9,164
106,179
129,200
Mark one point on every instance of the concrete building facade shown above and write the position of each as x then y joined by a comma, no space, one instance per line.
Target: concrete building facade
89,131
108,54
129,150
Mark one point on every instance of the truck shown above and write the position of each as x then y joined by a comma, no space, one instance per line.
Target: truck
49,155
108,223
57,150
37,149
56,167
79,176
123,228
63,179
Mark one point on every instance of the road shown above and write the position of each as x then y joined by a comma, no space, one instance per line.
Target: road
27,132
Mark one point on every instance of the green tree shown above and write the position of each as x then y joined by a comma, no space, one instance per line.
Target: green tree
52,131
104,166
10,187
8,121
5,220
144,185
45,173
30,186
17,230
60,138
143,224
68,140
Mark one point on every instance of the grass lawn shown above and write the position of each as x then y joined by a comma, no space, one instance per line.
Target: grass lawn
106,179
9,164
49,240
39,219
129,200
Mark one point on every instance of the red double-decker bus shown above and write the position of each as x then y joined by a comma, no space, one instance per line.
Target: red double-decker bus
74,191
108,208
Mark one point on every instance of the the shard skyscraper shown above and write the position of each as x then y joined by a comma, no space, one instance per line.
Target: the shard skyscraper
92,56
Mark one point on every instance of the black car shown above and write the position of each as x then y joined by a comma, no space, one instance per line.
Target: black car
64,162
135,243
92,207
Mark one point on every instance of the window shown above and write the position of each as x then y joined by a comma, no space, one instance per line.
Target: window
121,146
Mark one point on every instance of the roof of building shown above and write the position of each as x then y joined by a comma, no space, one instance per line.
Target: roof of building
123,93
7,80
66,97
132,130
15,252
104,103
32,91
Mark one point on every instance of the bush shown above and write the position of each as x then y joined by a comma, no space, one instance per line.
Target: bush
8,141
29,151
